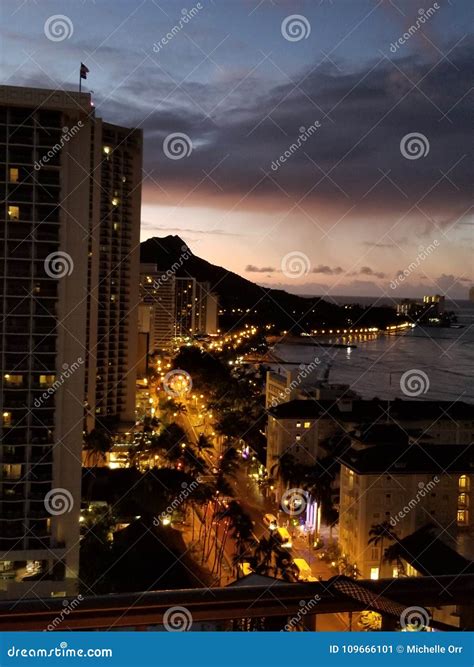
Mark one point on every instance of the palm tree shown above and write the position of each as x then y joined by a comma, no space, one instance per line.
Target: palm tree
378,534
203,444
97,443
285,469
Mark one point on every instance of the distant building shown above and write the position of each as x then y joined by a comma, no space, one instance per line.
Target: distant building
437,301
287,384
157,291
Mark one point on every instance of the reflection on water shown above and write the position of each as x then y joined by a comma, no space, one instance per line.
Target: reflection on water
375,367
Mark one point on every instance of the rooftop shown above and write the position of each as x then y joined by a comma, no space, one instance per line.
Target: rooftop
365,411
409,459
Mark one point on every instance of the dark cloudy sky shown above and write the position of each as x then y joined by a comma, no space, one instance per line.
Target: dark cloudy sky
347,200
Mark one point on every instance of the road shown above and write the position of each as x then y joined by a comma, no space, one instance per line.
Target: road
255,505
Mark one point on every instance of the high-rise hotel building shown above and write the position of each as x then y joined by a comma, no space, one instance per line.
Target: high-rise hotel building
69,221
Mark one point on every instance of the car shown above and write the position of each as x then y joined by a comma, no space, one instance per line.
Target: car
303,569
270,521
283,537
245,568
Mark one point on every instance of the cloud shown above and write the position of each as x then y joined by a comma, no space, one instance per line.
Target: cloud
367,271
250,268
354,155
322,268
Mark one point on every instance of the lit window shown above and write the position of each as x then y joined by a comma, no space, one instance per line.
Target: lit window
46,380
107,150
13,175
7,418
464,482
116,226
12,471
298,424
298,437
14,212
13,380
307,424
463,517
463,500
374,572
115,201
395,572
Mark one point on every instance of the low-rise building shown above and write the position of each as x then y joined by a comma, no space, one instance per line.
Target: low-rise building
394,490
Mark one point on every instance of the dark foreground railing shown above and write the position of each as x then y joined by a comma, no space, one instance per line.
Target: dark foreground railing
277,599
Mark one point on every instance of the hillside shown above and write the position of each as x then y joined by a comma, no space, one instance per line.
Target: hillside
287,311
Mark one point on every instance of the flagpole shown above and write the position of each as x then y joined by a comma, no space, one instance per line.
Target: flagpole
80,80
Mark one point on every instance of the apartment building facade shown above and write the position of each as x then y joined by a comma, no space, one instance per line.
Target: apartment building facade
408,487
67,286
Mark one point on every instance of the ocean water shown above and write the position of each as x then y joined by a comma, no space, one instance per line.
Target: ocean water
440,362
